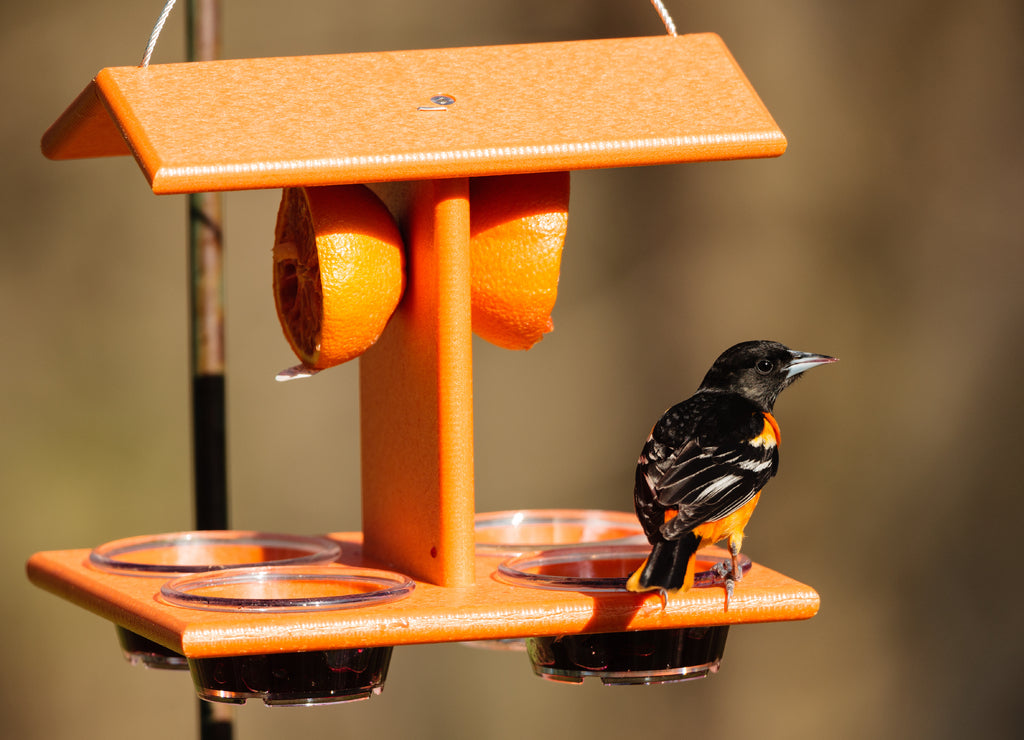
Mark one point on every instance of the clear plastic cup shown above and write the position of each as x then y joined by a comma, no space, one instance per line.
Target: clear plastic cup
508,533
177,553
139,650
515,532
289,679
630,658
622,658
293,679
596,568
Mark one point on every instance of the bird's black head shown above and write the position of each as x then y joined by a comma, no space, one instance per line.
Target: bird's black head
759,370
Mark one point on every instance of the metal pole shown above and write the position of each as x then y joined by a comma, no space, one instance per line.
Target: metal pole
206,284
207,312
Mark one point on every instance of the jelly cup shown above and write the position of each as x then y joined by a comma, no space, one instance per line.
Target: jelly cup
508,533
289,679
515,532
178,553
511,533
630,658
293,679
597,568
622,658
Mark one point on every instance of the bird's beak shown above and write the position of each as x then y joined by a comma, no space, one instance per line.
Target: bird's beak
801,361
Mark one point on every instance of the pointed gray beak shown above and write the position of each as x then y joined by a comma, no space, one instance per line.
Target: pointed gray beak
805,361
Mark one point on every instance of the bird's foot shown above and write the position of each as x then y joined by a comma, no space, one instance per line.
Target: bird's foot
722,569
730,572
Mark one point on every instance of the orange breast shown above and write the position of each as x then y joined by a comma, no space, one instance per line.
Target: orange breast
728,526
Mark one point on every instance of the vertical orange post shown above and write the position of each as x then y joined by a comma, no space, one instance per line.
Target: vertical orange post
416,396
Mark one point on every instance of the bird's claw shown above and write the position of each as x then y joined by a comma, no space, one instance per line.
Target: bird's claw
730,572
724,570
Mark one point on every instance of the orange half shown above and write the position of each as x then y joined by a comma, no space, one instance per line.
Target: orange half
338,271
517,230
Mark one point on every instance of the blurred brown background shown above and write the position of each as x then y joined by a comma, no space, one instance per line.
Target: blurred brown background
889,234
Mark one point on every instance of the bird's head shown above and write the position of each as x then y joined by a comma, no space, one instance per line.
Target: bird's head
759,370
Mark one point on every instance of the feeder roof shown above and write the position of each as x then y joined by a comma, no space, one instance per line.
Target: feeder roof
369,117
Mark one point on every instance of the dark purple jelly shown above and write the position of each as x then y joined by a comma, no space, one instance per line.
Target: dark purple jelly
645,657
315,677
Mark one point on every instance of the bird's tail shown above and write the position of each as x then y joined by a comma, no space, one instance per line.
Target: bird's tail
669,567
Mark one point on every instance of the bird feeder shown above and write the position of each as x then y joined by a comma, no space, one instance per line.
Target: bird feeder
416,126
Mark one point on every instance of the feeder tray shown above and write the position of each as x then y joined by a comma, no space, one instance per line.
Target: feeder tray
417,125
493,608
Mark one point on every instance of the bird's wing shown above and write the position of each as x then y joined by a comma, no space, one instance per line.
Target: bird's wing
707,483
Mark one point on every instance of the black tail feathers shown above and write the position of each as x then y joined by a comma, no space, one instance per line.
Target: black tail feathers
668,566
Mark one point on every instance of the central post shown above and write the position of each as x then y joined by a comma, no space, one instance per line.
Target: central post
416,397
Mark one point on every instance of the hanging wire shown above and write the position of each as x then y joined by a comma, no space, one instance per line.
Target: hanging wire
151,44
666,18
659,6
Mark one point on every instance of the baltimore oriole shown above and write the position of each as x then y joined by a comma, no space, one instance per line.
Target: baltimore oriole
701,472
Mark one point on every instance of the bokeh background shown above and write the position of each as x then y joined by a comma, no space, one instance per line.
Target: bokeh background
889,234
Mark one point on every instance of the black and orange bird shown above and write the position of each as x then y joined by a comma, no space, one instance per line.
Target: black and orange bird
702,469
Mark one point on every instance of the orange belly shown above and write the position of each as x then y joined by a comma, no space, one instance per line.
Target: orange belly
729,526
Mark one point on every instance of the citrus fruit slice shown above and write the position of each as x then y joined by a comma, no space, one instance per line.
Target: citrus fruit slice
338,271
517,231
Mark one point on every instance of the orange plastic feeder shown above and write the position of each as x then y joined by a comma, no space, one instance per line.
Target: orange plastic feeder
416,126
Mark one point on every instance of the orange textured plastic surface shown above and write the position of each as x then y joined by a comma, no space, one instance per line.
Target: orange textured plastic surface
416,397
85,130
356,118
488,610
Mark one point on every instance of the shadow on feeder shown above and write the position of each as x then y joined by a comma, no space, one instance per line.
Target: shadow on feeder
616,658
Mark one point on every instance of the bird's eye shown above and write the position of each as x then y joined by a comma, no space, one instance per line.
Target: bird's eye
765,366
